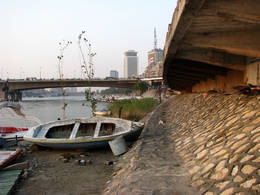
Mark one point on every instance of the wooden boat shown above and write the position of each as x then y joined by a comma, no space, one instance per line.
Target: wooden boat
83,133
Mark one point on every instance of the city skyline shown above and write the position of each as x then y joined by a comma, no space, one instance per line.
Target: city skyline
32,31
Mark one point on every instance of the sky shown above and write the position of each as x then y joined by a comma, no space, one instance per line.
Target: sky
32,30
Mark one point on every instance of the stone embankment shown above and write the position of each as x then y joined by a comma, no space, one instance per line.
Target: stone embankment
195,144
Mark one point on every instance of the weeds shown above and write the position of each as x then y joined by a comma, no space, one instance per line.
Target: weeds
133,109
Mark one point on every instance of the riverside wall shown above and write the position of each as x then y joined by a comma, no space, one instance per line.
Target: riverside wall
195,144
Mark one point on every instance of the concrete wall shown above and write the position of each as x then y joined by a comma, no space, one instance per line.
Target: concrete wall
221,83
252,74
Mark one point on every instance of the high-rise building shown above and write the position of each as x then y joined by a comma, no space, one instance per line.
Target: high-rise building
130,64
155,57
114,74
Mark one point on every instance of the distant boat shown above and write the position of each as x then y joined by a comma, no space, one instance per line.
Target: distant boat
12,132
102,113
83,133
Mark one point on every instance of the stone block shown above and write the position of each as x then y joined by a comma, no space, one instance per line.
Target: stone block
240,136
199,149
257,139
202,154
248,128
229,191
238,179
220,165
207,168
220,153
246,158
234,171
257,160
194,170
257,130
210,143
249,114
197,183
256,187
216,149
222,185
248,169
220,175
248,183
239,143
254,149
242,148
256,121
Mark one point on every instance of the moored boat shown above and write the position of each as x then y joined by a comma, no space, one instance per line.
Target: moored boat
12,132
102,113
83,133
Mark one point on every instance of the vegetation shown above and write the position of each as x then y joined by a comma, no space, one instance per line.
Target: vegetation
63,45
141,86
113,90
133,109
89,96
87,67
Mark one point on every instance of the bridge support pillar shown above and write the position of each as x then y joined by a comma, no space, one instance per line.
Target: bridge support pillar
15,96
2,95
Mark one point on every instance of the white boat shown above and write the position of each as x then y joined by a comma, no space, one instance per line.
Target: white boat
83,133
102,113
9,133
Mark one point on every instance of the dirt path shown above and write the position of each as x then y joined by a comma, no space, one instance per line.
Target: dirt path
49,174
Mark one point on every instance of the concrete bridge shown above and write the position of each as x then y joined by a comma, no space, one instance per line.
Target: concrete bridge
213,45
17,86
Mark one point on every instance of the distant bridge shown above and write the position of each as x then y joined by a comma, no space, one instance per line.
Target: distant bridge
40,84
17,86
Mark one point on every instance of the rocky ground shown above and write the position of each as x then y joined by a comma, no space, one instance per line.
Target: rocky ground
195,144
65,172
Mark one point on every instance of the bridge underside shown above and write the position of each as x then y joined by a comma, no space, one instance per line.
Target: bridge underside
213,45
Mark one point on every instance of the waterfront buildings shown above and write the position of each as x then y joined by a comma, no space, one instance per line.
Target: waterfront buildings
130,64
114,74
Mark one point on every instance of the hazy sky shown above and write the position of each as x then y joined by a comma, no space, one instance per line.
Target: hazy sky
32,29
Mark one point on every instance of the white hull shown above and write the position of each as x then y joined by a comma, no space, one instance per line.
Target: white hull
78,133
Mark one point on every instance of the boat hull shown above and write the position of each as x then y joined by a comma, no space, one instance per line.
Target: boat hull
84,142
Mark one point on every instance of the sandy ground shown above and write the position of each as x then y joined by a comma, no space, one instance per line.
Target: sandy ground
50,173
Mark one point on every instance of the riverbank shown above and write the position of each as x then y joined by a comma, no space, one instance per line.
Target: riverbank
195,144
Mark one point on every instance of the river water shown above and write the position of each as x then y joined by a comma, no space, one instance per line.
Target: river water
40,110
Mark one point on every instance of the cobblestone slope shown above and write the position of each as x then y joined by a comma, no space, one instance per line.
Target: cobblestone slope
195,144
218,138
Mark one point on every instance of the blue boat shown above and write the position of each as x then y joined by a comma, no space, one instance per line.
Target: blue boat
83,133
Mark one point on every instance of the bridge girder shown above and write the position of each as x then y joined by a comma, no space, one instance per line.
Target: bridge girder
40,84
